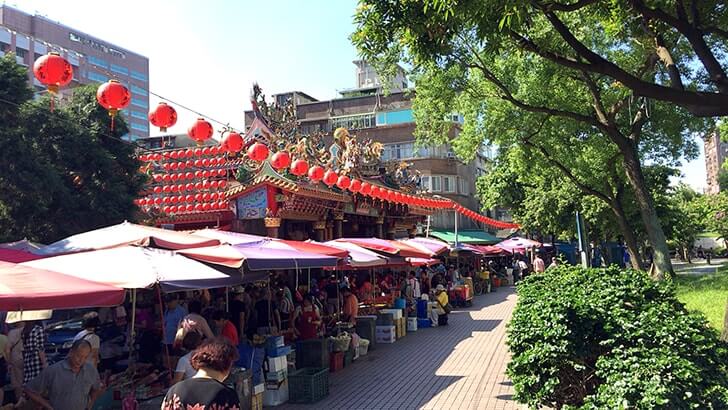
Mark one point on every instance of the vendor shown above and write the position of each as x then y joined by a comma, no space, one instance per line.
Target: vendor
225,328
442,301
307,319
184,368
351,306
172,318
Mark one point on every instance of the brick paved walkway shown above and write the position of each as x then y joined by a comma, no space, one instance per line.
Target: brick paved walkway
461,366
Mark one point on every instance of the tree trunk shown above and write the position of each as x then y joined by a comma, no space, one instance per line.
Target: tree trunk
661,254
629,239
724,335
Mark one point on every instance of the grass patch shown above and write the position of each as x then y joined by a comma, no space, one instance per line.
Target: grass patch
707,294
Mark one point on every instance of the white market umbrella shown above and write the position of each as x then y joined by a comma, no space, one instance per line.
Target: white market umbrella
359,257
125,234
134,267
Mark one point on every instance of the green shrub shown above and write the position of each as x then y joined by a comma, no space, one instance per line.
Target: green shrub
612,339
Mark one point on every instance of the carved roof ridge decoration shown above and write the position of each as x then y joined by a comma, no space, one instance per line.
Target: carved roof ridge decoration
201,216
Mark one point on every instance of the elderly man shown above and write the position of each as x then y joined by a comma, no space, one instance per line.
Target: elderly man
72,384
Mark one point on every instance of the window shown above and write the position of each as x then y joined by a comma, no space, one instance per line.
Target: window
119,69
354,122
139,103
100,62
463,186
138,115
436,187
138,90
448,184
94,76
4,47
138,76
425,183
398,151
21,53
139,127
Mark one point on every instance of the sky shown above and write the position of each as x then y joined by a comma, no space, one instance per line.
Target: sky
206,55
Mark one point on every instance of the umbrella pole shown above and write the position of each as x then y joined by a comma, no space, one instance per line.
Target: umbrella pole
227,299
132,339
167,359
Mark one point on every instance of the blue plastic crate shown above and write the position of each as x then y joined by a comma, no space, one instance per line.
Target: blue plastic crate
422,309
274,341
422,323
277,351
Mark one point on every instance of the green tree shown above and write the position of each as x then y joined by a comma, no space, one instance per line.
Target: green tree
508,78
62,171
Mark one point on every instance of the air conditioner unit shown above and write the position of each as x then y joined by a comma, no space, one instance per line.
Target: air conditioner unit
450,155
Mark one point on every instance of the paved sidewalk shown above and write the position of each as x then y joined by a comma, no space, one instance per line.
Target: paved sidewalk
461,366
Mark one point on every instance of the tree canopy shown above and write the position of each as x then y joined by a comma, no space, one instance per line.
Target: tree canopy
62,171
486,60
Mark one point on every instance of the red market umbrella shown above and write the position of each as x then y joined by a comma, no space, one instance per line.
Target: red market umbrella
374,244
17,256
24,287
422,261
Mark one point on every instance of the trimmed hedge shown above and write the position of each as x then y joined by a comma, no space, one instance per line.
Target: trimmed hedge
612,339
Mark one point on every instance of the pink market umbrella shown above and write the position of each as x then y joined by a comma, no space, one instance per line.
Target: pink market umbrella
515,243
125,234
359,257
27,288
17,256
434,245
422,261
389,247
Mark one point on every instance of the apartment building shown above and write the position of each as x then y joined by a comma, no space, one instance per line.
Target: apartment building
94,60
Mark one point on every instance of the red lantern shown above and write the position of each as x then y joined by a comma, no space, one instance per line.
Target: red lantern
221,172
355,185
330,178
198,207
198,152
190,198
173,188
280,160
206,197
53,71
258,152
157,189
374,191
198,185
198,197
366,188
205,184
163,116
173,209
206,151
222,205
113,96
206,207
157,201
190,187
206,174
200,131
299,167
233,142
167,189
343,182
315,173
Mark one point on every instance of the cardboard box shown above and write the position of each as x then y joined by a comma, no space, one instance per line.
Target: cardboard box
277,376
259,388
396,313
386,330
257,401
276,364
412,324
386,338
276,397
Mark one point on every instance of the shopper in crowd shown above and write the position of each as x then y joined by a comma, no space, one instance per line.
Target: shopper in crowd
213,360
70,384
225,328
267,315
538,264
90,325
184,369
415,285
307,319
523,267
351,306
554,262
285,308
193,322
516,270
237,310
366,290
15,360
442,302
34,358
424,283
172,318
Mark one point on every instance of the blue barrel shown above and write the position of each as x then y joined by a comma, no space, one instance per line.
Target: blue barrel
422,309
400,303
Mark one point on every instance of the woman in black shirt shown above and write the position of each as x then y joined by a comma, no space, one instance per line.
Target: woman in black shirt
213,362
